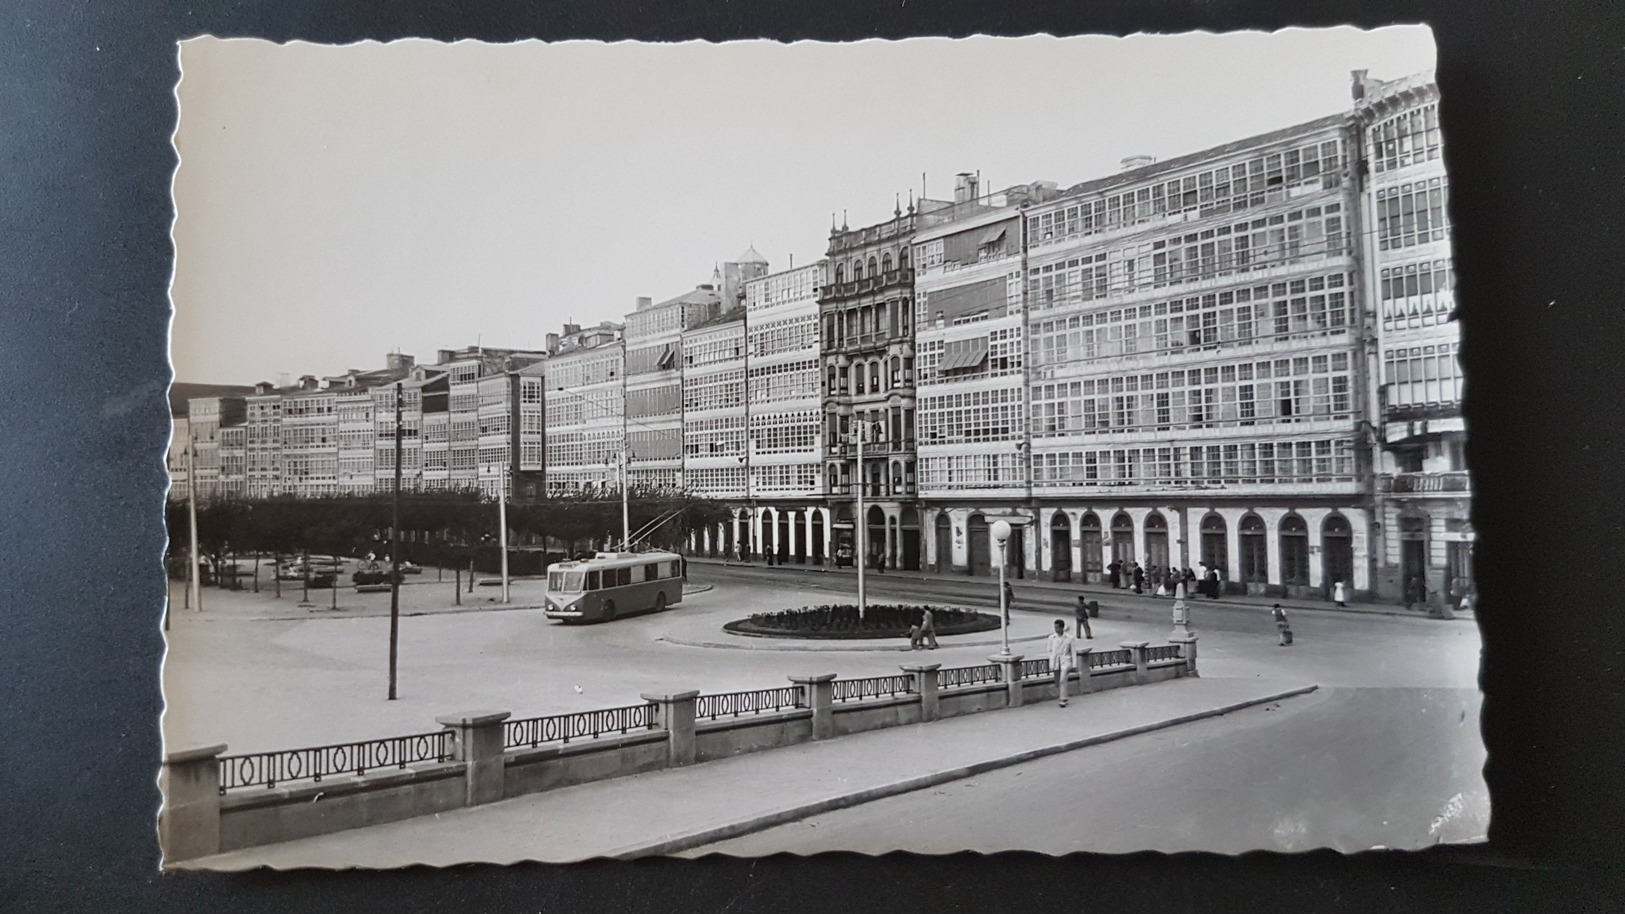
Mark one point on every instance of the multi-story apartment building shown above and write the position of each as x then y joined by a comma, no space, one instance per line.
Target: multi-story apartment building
310,439
971,357
356,403
209,419
1423,532
654,386
585,403
263,444
866,314
715,417
468,416
234,461
408,391
1195,357
784,455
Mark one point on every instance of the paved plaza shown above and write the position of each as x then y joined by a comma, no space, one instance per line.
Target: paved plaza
1385,750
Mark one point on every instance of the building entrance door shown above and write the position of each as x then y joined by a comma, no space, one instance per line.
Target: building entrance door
1413,553
1015,555
980,558
945,543
1060,547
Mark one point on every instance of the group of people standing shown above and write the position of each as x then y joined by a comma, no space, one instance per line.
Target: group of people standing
1159,581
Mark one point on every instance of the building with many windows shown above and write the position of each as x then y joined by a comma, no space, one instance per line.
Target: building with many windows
971,369
1240,360
1423,532
786,515
585,403
654,384
1196,361
866,315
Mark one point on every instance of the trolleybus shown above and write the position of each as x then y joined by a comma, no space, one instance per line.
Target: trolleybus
613,584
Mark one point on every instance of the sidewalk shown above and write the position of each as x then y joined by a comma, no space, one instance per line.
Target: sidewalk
673,810
1073,589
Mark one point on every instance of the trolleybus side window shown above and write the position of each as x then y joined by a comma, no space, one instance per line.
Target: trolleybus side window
592,580
651,572
675,570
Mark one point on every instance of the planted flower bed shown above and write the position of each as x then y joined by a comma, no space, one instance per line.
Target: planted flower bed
840,621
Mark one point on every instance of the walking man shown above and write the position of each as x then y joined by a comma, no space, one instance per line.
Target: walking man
1139,577
928,630
1082,615
1009,600
1281,624
1062,654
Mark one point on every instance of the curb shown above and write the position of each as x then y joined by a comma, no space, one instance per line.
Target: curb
1044,586
767,644
702,837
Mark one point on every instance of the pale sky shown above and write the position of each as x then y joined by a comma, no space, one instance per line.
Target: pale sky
338,203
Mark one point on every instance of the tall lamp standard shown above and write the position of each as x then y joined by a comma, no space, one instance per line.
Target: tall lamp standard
191,512
1001,535
394,551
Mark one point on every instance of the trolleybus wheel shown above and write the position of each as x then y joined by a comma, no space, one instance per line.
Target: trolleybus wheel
609,609
660,602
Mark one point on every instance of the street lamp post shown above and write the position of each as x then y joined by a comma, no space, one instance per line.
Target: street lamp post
395,551
191,512
1001,535
860,526
502,527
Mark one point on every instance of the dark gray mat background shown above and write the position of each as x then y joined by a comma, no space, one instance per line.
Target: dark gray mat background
1532,119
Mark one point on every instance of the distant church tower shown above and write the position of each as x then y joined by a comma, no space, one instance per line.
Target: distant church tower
749,265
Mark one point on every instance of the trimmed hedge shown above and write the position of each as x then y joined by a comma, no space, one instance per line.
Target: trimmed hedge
840,621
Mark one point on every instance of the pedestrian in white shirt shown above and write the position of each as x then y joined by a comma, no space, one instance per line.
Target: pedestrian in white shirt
1062,657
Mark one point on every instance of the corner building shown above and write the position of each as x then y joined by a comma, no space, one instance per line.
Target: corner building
1423,522
1192,376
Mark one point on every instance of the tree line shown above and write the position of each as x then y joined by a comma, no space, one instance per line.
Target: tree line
434,526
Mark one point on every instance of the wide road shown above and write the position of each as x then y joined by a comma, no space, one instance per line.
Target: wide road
1342,768
258,673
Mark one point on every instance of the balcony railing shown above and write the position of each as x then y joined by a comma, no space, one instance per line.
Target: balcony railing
851,287
1414,483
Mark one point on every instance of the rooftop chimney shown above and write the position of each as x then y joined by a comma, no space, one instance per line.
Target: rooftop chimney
1359,79
645,302
445,355
964,187
399,361
1130,163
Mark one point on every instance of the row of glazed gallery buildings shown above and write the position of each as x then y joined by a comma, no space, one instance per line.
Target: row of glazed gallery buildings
1242,359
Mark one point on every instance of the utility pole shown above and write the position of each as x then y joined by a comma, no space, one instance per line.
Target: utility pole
502,539
191,511
626,516
395,551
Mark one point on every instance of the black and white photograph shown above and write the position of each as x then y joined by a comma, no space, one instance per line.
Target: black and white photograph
629,450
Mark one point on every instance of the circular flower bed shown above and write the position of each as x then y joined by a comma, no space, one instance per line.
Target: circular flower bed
840,621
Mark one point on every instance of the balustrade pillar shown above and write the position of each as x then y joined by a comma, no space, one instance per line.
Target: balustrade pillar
1086,683
1010,673
818,692
674,713
189,820
477,743
1137,649
925,686
1187,651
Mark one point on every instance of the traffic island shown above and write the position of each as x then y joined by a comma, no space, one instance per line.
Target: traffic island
842,621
